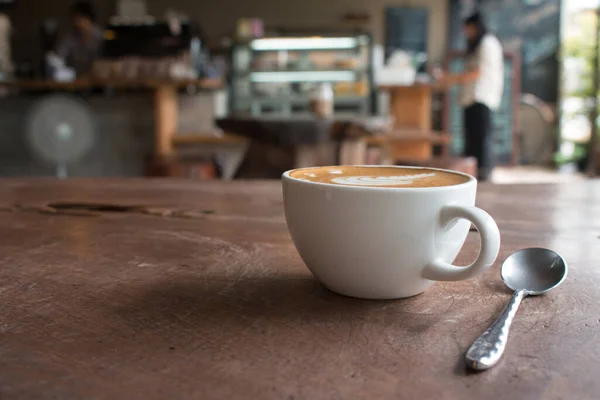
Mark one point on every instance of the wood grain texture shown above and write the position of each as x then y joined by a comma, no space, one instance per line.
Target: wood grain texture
166,119
121,304
411,107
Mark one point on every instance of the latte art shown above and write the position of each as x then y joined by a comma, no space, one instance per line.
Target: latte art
380,180
380,177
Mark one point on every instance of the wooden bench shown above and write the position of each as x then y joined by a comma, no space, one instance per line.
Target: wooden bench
467,165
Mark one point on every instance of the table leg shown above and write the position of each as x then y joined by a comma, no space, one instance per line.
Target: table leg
305,156
231,158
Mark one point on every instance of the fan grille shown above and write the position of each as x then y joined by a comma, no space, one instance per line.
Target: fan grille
60,129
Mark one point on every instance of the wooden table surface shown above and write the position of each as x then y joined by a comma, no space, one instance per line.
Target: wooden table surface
185,290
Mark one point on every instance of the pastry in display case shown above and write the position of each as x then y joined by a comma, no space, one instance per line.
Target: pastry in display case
277,75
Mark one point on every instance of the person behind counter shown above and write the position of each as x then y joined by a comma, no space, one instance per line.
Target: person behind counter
482,86
80,48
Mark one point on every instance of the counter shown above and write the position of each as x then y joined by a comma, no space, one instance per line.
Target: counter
126,113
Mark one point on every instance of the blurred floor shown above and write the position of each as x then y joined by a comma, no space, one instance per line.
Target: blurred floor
533,174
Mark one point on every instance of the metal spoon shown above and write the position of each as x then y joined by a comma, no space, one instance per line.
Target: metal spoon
528,272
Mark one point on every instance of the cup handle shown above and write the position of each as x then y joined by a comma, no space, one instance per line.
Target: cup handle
490,245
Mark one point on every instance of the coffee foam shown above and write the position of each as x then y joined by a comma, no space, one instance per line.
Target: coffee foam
381,180
380,176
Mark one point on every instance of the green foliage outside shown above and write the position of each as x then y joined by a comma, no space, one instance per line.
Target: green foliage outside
582,47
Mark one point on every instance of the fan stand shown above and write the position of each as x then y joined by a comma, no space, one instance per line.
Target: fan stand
63,133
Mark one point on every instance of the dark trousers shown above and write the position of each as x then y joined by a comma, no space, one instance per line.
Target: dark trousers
478,138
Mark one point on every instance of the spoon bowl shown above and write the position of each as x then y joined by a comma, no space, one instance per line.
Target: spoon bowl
535,271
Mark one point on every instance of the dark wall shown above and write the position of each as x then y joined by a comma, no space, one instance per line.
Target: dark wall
219,18
530,28
27,16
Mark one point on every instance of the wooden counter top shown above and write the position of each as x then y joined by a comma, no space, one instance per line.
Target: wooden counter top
183,290
82,84
165,99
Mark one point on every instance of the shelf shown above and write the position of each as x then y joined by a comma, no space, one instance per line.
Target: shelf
332,69
303,76
305,43
81,84
299,99
348,65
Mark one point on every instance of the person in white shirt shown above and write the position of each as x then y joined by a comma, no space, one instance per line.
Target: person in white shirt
482,88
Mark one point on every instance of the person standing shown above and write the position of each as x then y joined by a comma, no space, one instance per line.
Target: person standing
482,84
82,46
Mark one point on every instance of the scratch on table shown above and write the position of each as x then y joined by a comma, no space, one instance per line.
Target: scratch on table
200,239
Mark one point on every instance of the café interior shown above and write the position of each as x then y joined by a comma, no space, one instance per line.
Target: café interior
229,91
158,242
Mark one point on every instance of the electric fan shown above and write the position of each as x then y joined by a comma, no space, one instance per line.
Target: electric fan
60,131
536,126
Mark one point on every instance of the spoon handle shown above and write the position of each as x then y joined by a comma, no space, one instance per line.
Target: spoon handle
486,351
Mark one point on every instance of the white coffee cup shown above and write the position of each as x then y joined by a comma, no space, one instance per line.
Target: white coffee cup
386,242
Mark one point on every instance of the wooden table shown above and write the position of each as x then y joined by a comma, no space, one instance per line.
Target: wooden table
281,143
186,290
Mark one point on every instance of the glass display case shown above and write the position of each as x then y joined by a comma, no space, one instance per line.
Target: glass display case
276,75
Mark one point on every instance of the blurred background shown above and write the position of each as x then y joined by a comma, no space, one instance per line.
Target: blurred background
248,89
